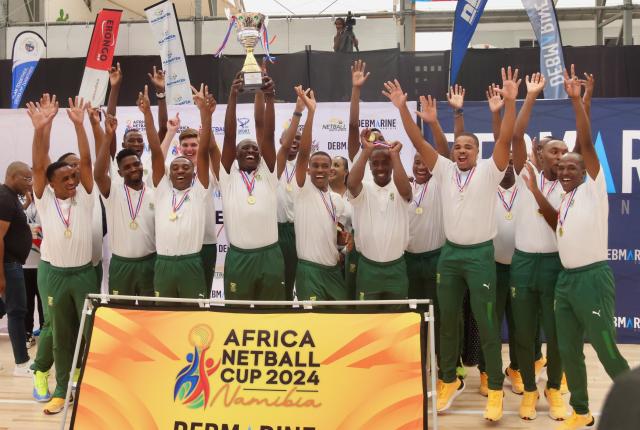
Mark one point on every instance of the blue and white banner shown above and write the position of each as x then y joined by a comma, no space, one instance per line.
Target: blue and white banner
164,23
28,48
542,14
468,13
616,135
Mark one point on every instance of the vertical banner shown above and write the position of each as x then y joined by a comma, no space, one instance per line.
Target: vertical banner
164,23
468,13
28,48
100,56
542,14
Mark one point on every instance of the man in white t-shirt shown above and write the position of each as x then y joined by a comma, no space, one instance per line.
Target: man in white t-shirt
585,291
319,214
468,192
254,266
180,208
129,204
66,208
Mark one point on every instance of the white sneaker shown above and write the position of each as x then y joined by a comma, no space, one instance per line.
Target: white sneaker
23,370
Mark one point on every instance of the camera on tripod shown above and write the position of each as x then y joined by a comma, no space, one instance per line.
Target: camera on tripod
349,22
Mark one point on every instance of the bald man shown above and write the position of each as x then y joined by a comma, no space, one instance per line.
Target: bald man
14,249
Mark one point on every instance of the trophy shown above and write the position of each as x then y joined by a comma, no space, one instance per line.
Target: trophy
249,27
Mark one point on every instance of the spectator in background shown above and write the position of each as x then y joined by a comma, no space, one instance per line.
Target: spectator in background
618,412
344,40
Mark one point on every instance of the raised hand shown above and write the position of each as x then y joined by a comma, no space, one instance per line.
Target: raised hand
535,84
115,75
110,125
299,102
572,83
494,98
358,75
307,97
173,124
237,86
366,143
394,93
49,104
76,109
157,78
143,100
531,182
205,101
268,86
510,84
428,109
94,116
588,83
455,96
39,118
394,148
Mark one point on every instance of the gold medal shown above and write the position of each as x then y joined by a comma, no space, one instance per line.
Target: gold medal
508,216
67,233
251,200
289,188
560,231
419,211
133,225
173,216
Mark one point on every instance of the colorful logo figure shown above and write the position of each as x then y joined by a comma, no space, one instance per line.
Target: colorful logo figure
192,382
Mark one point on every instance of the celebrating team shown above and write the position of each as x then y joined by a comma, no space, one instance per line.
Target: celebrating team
527,236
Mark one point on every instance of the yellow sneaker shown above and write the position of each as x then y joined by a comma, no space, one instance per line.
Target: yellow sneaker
517,386
577,422
539,365
528,405
439,383
484,384
493,411
447,393
564,387
54,406
557,408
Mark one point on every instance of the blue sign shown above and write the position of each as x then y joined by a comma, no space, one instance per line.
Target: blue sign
468,13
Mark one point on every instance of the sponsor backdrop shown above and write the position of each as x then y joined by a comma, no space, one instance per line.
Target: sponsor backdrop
259,371
617,138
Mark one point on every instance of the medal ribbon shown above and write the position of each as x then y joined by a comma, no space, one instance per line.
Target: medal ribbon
561,219
331,209
180,203
134,213
508,206
424,189
462,186
288,176
542,184
250,184
67,221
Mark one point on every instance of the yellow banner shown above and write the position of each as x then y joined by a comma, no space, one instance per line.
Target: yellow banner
211,370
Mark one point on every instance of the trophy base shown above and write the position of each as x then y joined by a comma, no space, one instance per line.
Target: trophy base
252,81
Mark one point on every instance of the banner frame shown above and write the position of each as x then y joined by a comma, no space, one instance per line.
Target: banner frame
428,351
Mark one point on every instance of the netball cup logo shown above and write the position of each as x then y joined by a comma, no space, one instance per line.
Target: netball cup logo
192,387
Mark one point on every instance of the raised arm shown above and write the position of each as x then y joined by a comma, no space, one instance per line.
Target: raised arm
158,80
455,97
267,143
358,78
429,114
304,152
584,142
546,209
76,111
41,119
509,92
230,126
399,99
101,168
589,83
495,106
535,85
115,80
289,135
400,178
258,115
157,159
356,174
173,125
206,105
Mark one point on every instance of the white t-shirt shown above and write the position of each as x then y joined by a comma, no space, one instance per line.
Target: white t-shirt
505,241
250,226
316,233
210,233
36,235
426,232
533,234
469,215
381,222
126,241
287,188
585,230
75,250
145,159
184,234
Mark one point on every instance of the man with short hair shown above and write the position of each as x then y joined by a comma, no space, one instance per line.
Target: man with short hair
14,250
